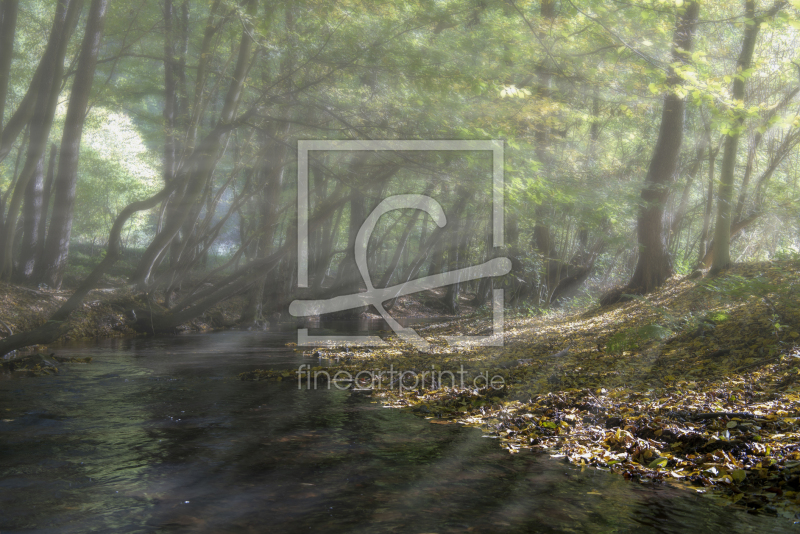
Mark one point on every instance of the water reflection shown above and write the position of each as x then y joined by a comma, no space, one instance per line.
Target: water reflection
158,434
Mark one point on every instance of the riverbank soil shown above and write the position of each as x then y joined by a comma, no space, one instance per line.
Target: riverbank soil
697,384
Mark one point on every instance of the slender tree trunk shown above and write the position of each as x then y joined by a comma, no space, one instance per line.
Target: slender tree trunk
541,230
272,171
722,230
175,113
483,291
31,217
46,195
349,278
543,245
22,116
49,86
683,205
170,95
8,27
655,265
57,248
712,157
451,296
455,253
748,172
198,168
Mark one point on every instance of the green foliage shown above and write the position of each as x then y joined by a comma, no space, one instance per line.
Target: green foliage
738,287
577,139
717,317
115,169
632,338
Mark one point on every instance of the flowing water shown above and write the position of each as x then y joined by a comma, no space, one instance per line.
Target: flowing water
157,434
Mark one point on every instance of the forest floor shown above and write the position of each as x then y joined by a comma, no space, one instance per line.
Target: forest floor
697,384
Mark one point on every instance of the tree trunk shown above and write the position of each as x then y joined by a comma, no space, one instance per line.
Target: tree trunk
46,98
198,167
655,265
170,95
722,230
453,292
57,248
46,195
541,231
175,115
402,245
31,217
272,172
8,27
704,245
683,205
348,278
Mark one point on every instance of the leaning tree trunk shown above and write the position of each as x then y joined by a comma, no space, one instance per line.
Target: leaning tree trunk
56,250
654,265
199,166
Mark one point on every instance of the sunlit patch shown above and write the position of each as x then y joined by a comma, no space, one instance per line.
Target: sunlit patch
704,390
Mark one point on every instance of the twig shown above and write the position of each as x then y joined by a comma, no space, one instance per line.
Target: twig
10,332
715,415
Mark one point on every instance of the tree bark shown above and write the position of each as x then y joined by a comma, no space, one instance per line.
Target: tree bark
8,27
541,231
31,217
46,195
683,205
170,95
704,245
46,98
199,167
57,248
273,168
722,230
655,265
454,254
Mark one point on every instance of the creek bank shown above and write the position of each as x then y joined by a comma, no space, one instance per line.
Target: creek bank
697,384
113,312
105,313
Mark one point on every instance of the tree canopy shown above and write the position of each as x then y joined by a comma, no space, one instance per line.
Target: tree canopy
641,138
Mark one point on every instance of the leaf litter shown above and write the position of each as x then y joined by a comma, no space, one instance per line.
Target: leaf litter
696,385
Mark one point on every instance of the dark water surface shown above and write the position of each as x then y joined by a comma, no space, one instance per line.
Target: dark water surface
157,434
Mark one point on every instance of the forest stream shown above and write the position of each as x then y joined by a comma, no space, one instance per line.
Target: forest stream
158,434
